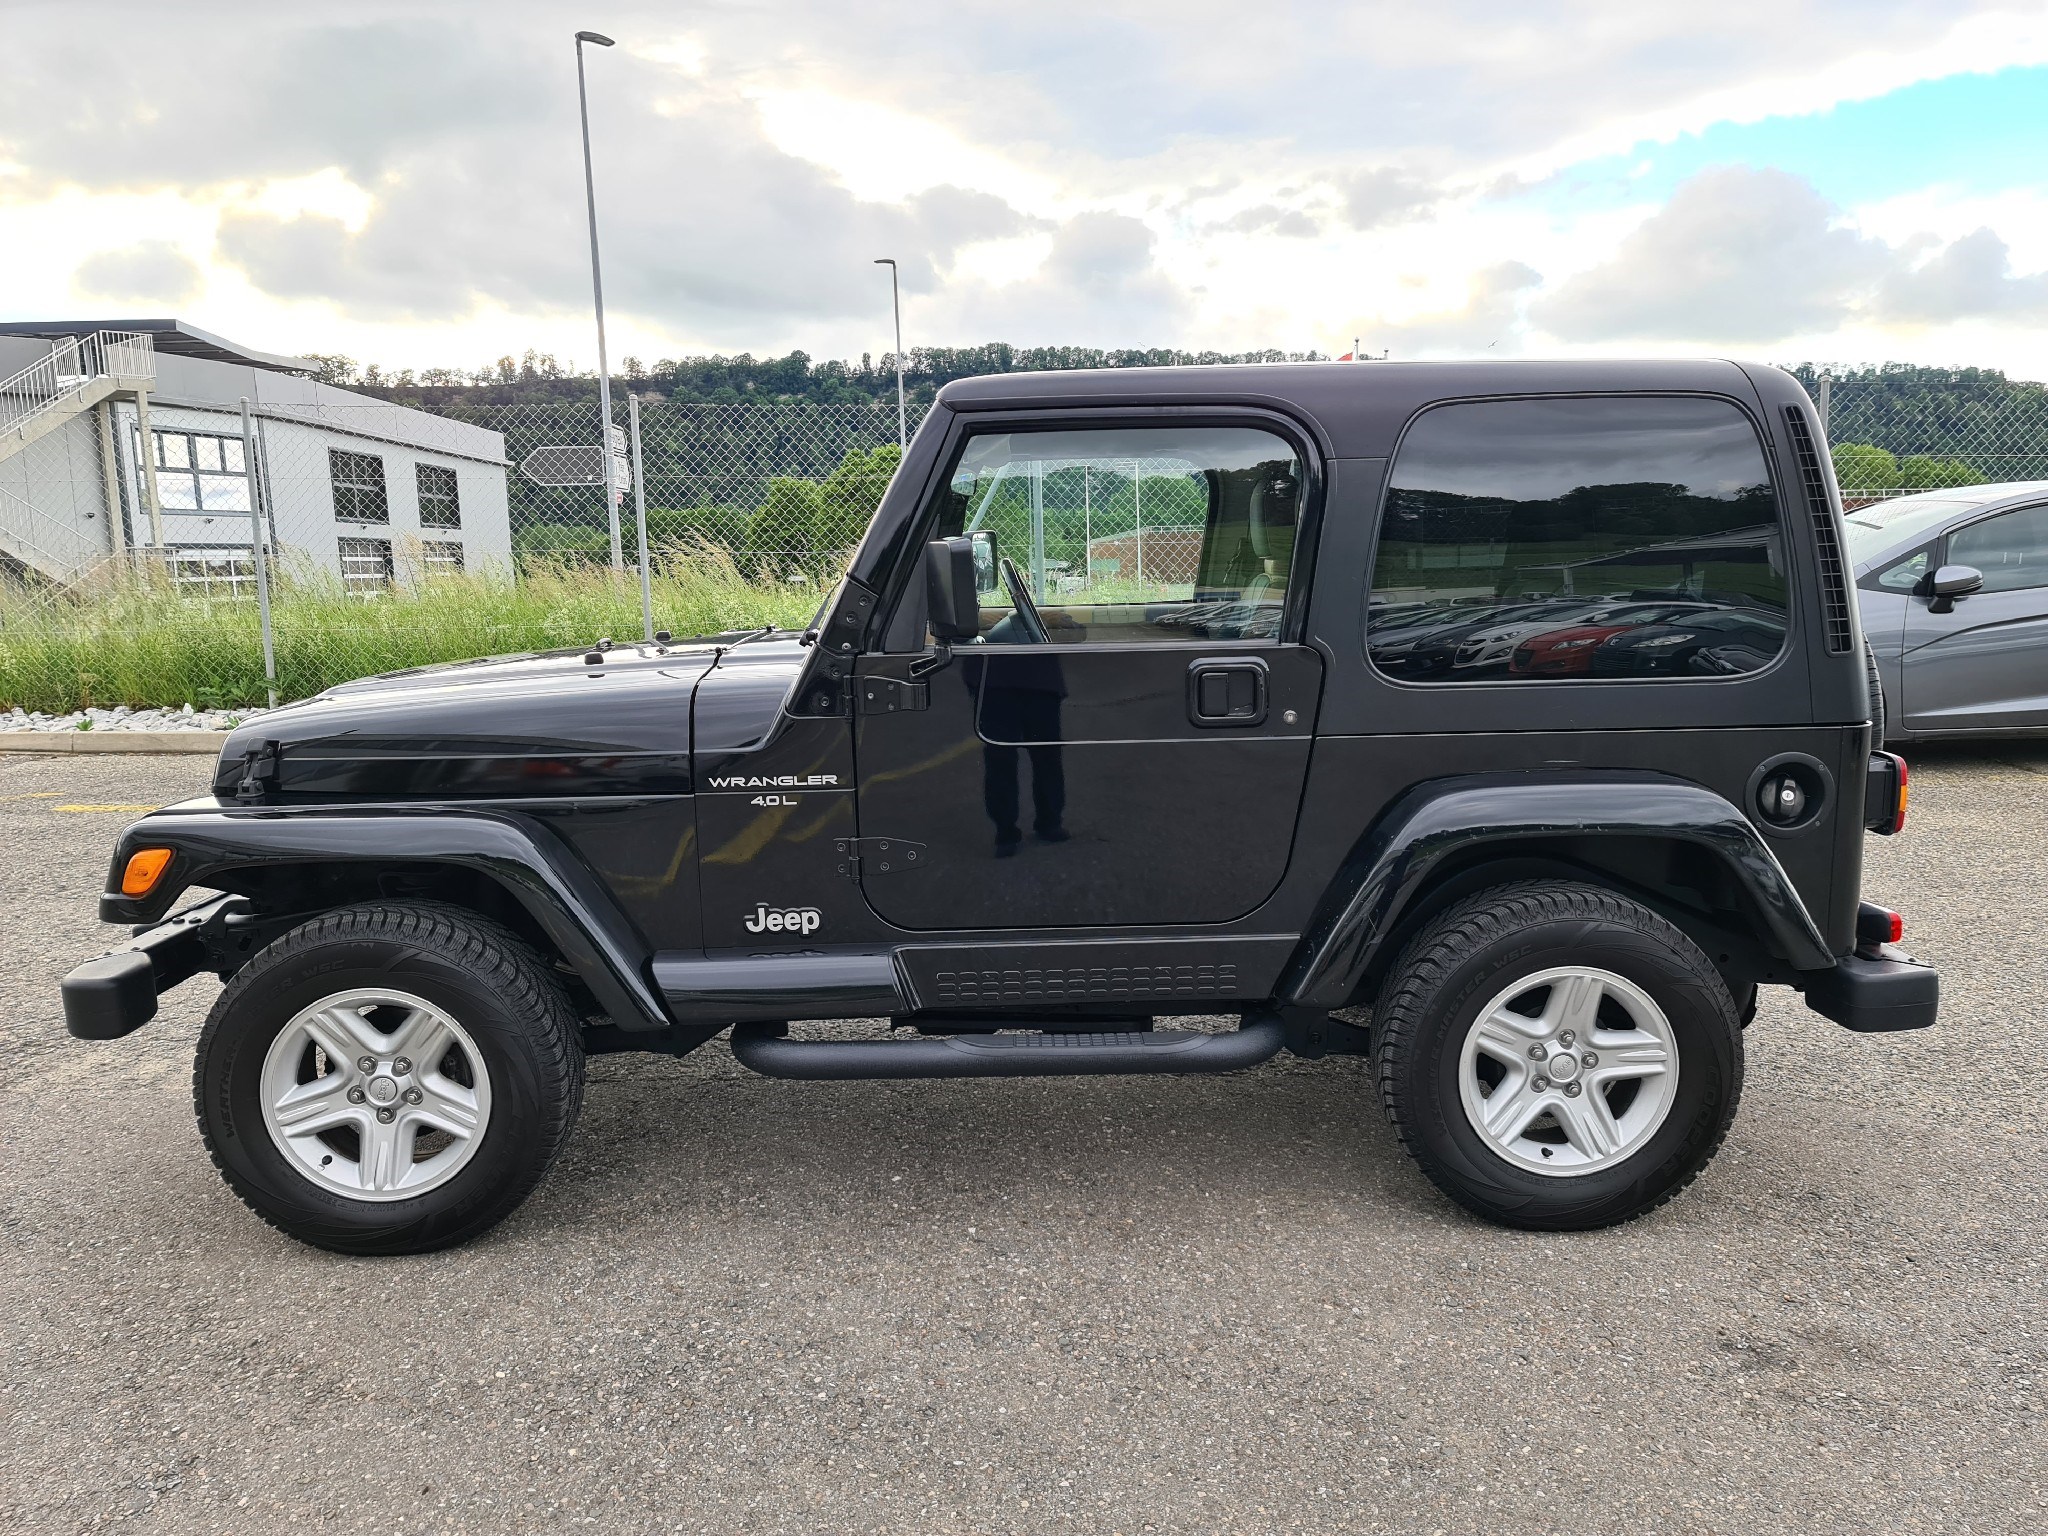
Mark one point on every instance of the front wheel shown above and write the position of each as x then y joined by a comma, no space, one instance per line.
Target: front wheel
388,1079
1557,1057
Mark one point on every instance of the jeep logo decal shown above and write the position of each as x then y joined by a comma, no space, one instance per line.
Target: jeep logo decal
788,920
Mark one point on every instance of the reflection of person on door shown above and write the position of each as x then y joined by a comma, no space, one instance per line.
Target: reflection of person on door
1020,715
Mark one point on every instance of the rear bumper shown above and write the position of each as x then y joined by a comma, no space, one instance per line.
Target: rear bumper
1875,992
116,994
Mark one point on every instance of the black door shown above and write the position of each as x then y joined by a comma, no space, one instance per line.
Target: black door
1136,755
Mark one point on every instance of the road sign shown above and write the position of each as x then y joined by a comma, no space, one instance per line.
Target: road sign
579,464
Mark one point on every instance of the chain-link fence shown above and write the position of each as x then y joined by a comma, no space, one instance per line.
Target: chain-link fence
400,537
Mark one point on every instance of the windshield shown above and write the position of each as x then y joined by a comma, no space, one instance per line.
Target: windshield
1886,525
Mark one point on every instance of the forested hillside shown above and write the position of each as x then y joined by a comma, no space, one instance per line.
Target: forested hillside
721,380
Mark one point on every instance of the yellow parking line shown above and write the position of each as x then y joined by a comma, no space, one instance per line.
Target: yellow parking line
103,807
34,794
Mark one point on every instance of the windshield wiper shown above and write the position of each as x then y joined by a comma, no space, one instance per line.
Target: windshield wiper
753,634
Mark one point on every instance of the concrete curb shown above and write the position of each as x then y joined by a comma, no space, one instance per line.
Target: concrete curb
208,742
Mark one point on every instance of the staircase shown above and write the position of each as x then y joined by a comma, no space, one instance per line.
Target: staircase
79,373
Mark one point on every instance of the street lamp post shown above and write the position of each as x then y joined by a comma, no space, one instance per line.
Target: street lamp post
896,305
604,372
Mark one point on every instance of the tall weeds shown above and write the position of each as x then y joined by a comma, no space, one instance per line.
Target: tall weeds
127,636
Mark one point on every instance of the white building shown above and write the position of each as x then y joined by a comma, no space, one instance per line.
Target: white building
371,493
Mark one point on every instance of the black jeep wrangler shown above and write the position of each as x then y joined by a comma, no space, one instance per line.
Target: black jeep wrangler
1508,722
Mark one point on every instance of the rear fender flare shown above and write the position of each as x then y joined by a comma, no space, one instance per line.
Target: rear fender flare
1394,863
516,852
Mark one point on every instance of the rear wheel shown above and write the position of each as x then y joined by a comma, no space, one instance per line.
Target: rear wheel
388,1079
1556,1056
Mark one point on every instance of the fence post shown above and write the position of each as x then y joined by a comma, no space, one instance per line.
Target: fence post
1827,383
640,516
260,553
148,455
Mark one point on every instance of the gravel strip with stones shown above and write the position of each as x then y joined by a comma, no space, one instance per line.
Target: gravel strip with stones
122,718
1072,1305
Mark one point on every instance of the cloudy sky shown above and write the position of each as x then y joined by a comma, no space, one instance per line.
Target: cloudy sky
1838,180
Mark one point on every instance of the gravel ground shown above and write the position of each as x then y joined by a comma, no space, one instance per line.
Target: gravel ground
1092,1305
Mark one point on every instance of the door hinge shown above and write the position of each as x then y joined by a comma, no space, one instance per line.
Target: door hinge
887,695
860,856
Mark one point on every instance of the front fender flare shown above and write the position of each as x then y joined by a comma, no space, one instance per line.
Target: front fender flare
1444,817
517,852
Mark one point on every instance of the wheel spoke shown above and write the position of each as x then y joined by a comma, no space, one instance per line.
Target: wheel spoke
307,1109
1506,1035
387,1153
1630,1053
445,1105
423,1037
1574,1003
1589,1125
1512,1105
344,1034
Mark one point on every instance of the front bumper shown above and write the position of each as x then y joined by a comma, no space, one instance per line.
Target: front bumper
1875,991
116,994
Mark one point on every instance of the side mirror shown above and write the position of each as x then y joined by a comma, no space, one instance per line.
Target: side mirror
1951,582
988,570
950,589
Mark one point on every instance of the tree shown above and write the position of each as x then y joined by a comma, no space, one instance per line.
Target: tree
849,496
1933,472
787,520
1865,467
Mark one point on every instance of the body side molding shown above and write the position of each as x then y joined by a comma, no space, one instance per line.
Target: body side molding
1437,820
516,852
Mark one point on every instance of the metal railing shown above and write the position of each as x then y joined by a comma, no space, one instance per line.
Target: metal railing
73,363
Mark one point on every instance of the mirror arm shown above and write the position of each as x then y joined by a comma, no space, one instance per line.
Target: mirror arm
937,659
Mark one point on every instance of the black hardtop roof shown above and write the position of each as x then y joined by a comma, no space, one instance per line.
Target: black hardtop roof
1358,407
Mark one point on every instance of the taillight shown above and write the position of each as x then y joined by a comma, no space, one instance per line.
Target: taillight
1884,794
1878,925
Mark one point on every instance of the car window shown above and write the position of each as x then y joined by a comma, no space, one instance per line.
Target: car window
2010,549
1883,525
1134,535
1625,536
1904,575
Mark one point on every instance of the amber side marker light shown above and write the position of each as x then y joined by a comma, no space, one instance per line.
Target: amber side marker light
145,868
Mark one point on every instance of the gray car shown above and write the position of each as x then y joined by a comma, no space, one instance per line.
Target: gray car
1953,586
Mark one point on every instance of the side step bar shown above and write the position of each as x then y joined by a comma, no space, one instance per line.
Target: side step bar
764,1048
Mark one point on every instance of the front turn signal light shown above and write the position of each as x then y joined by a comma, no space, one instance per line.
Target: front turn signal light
145,868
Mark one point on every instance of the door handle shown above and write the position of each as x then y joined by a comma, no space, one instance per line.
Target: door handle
1227,693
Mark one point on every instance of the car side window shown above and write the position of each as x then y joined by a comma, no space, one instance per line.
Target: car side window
1604,537
1130,535
2010,549
1904,575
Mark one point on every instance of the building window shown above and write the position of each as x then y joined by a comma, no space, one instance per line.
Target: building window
358,487
1571,539
212,572
199,472
441,557
365,565
440,507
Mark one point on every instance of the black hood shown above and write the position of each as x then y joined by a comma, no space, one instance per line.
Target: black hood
538,724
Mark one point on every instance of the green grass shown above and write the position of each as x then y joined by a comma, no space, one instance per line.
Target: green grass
127,638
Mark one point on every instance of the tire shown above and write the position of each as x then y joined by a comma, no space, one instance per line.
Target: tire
1877,713
470,1128
1433,1056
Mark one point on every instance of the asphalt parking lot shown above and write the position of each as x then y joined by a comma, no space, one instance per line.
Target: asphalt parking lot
1091,1305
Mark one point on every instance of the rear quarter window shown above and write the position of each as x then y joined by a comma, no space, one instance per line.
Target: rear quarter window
1579,539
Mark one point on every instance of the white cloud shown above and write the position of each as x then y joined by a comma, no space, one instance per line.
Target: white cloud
405,183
